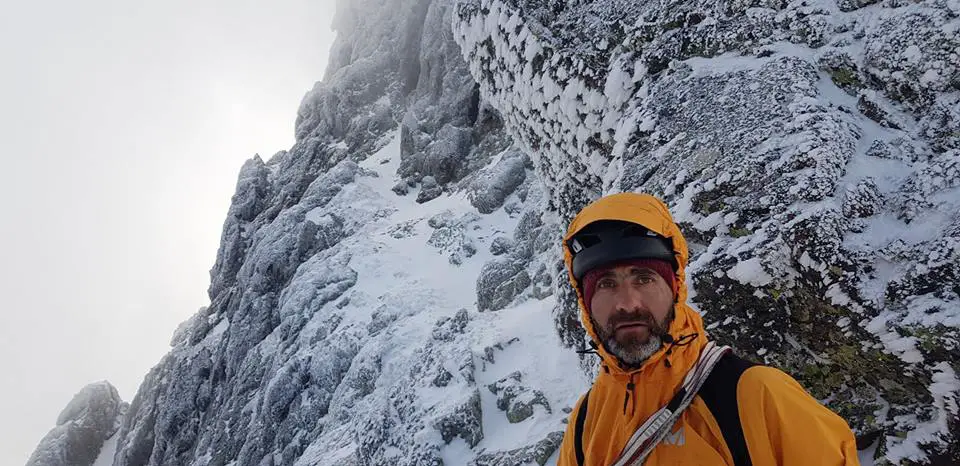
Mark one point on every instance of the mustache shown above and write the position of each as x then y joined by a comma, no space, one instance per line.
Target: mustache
623,317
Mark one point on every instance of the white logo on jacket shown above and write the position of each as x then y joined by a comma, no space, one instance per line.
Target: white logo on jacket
675,438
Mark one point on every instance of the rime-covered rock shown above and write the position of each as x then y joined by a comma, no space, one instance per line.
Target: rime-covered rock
84,425
808,156
501,245
429,190
515,399
499,283
491,188
450,236
538,453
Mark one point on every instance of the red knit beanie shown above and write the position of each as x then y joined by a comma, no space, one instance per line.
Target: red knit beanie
661,267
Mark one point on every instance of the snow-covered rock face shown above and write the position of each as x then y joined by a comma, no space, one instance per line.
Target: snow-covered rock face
352,335
811,152
345,325
89,420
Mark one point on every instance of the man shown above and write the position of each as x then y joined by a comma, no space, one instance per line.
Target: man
626,258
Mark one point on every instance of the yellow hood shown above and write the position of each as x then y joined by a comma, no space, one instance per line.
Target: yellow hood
651,213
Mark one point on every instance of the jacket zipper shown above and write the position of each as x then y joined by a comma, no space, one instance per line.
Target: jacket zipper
626,396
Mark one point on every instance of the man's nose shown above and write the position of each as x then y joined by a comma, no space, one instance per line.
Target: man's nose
629,299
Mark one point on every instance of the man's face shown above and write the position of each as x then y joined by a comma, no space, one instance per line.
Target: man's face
631,309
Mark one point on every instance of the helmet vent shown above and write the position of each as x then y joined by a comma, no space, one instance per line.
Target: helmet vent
588,240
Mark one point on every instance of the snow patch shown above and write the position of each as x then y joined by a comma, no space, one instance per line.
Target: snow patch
750,272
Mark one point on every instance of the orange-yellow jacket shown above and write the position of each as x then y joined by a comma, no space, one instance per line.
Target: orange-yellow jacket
782,424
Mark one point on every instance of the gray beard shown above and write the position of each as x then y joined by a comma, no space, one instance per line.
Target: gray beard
634,353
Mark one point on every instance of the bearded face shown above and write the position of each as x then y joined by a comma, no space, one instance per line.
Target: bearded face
633,347
631,310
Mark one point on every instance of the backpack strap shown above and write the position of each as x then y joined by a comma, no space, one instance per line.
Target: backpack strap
719,393
581,420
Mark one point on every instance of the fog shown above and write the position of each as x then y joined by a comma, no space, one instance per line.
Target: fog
123,127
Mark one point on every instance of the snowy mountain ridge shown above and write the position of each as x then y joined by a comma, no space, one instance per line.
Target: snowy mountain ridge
390,289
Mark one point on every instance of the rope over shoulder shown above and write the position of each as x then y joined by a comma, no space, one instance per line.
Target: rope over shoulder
651,432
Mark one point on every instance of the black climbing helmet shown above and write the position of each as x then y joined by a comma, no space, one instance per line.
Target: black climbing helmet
606,241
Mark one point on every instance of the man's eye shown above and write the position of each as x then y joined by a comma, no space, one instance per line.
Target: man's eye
643,279
606,284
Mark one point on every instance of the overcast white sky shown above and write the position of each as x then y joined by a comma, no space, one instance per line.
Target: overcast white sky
123,126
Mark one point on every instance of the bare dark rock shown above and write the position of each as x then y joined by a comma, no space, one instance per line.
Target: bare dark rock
465,422
499,283
491,188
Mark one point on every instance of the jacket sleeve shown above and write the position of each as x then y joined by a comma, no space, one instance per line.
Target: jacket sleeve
783,425
568,456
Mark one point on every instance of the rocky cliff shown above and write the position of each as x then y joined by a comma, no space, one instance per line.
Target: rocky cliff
811,151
